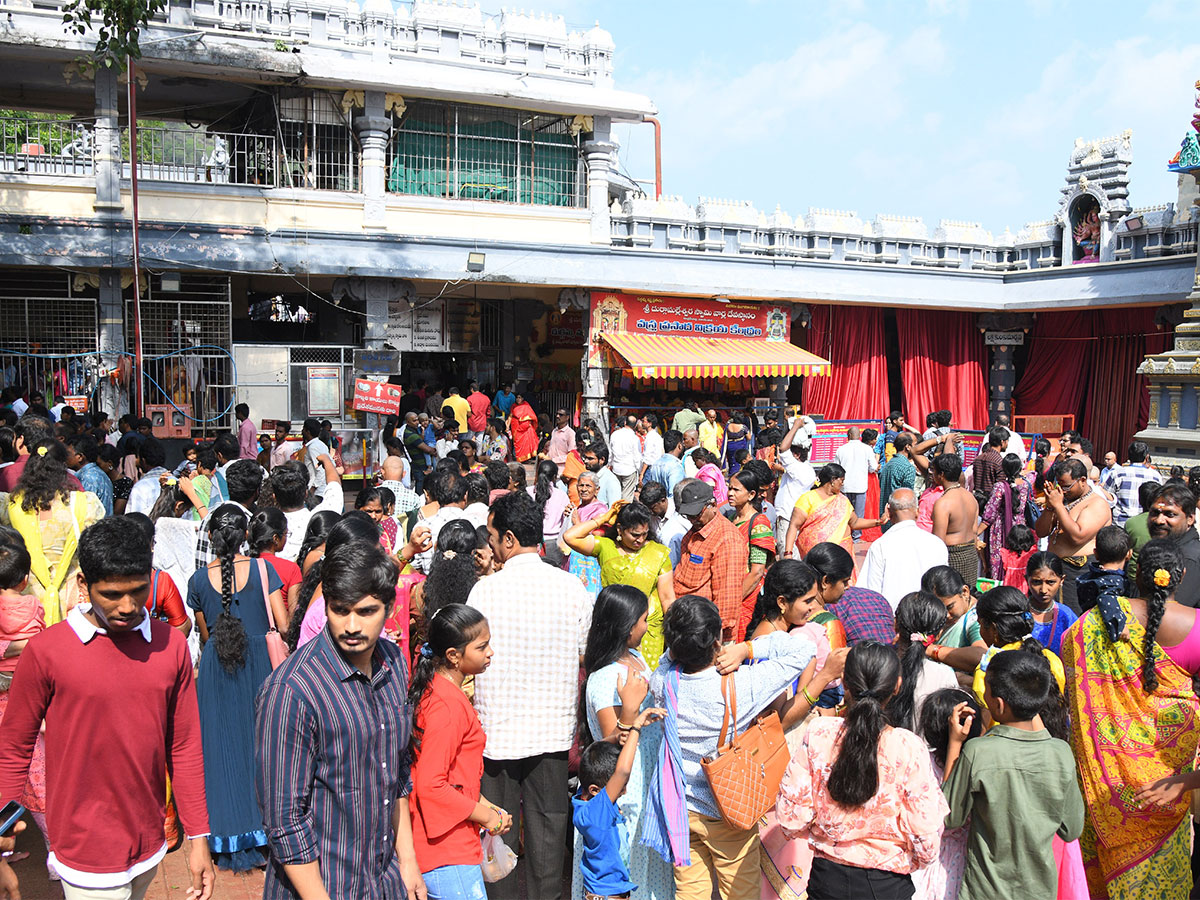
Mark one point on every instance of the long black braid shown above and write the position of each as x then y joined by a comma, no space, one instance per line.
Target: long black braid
227,528
1157,556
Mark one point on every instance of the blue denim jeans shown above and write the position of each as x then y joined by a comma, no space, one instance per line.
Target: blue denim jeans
455,883
859,502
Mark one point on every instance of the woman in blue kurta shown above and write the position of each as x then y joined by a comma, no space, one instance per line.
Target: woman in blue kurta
231,613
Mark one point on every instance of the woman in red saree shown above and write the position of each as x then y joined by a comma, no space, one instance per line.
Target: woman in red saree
522,426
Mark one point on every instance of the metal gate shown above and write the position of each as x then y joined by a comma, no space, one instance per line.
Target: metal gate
43,312
195,316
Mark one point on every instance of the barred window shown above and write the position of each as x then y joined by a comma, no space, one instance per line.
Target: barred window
486,153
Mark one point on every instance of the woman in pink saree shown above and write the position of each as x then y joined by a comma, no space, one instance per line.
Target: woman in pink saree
710,473
522,425
824,514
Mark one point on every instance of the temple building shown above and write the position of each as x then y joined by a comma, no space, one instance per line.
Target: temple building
437,185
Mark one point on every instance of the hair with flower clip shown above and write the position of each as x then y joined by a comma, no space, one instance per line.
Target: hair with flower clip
920,618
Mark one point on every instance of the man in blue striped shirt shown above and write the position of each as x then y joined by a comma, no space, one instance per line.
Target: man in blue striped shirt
332,729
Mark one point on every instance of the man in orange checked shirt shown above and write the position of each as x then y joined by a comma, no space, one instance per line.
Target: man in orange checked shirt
712,556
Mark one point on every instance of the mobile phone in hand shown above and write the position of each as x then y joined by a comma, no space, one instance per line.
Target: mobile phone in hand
9,816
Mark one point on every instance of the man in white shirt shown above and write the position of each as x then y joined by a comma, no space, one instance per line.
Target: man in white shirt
897,561
798,476
314,449
1016,444
652,442
858,458
290,483
539,618
626,459
450,492
151,463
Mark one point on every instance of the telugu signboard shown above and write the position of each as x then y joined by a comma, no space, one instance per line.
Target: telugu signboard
612,312
376,397
1003,338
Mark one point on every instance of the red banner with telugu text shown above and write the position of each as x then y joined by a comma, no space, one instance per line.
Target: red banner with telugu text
376,397
686,316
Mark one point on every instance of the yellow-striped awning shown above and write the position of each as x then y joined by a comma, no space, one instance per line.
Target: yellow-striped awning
685,356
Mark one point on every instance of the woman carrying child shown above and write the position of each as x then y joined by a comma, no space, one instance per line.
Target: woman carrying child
447,808
616,693
862,792
1137,842
1004,508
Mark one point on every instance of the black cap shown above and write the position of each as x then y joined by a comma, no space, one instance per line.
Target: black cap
694,497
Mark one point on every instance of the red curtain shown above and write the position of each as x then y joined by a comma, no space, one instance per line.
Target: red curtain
943,363
851,338
1083,362
1057,371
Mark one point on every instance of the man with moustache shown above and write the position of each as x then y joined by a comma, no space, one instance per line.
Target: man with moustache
1172,515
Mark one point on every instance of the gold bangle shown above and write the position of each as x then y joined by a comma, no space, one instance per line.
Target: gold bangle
750,650
623,726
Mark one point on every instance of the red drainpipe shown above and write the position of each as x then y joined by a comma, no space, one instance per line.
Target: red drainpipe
657,155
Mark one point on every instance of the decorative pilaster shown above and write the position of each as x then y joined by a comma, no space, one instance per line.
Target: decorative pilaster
113,399
1002,377
1174,396
107,158
599,153
374,127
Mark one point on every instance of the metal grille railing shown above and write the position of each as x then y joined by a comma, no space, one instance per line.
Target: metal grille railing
318,143
42,312
197,315
43,146
177,152
486,153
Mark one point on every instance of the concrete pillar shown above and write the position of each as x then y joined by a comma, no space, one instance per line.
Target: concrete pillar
599,153
595,393
374,127
113,398
107,158
1001,380
1174,395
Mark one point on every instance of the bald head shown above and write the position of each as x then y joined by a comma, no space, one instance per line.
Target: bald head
853,434
902,505
392,468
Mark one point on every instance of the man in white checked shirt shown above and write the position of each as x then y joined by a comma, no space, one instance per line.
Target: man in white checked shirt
539,618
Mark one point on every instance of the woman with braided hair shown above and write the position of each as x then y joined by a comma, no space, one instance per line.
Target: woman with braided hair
1134,729
230,596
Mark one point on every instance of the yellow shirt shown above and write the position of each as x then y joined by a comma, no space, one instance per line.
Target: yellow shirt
1056,668
461,408
710,436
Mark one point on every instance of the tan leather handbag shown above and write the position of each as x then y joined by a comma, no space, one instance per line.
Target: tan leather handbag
746,773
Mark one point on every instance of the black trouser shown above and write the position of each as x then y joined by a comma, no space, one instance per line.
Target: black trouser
834,881
532,790
1070,595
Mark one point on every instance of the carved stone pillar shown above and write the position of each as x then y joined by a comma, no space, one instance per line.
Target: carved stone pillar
1174,396
374,128
1002,376
595,392
113,398
1155,396
599,153
107,144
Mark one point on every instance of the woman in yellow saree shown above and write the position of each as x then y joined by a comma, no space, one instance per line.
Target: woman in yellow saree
825,515
50,515
635,558
1134,731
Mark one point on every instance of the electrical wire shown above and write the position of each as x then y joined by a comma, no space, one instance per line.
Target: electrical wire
232,362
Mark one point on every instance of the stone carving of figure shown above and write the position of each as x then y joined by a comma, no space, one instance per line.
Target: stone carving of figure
1087,236
81,147
218,160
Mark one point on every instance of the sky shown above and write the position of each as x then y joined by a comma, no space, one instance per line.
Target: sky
942,109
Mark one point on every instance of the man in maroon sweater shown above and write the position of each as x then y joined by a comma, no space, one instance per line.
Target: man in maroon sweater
115,688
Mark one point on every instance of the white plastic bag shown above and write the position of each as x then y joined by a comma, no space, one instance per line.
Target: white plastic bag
498,858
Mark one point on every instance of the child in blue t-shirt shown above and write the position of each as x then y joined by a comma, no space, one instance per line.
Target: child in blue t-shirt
595,814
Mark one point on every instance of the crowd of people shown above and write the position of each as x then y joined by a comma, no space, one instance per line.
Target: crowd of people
532,635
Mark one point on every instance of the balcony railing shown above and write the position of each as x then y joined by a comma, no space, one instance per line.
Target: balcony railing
183,154
40,146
